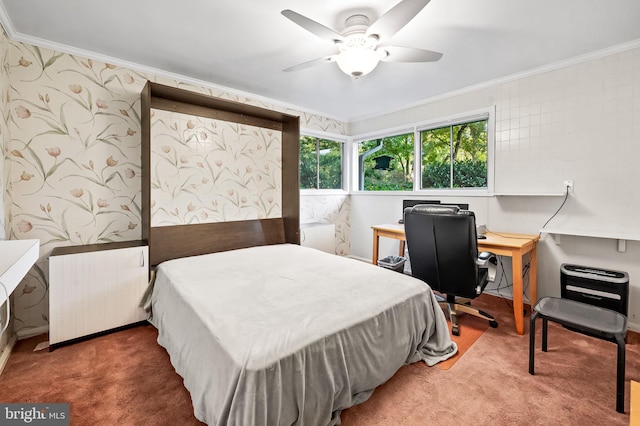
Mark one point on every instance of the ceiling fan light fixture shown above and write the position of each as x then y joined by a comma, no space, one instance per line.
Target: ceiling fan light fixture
357,61
358,56
361,46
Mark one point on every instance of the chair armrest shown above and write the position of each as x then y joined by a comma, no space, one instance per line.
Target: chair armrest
488,260
485,257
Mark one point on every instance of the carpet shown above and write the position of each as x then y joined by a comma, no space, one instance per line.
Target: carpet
126,378
471,328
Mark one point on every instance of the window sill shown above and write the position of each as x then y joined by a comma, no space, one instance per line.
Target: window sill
533,194
426,193
322,192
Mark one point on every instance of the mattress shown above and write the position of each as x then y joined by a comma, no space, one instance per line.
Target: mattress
285,334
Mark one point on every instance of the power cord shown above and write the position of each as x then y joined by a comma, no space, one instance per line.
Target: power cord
566,196
501,286
505,279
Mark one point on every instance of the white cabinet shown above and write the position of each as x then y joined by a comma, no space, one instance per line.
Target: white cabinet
95,288
321,236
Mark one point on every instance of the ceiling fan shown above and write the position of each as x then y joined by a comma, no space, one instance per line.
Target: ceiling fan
362,45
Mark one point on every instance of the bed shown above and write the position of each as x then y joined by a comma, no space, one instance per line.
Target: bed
284,334
262,330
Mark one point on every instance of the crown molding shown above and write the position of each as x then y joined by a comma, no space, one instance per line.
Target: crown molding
6,22
15,36
623,47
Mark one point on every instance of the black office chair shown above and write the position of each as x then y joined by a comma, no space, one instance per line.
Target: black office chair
443,249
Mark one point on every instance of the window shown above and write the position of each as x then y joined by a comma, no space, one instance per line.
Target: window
320,163
386,164
455,156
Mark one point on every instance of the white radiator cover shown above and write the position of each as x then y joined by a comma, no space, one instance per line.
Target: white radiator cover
96,291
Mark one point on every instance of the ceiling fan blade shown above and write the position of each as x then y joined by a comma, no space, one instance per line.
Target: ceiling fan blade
408,54
312,63
312,26
396,18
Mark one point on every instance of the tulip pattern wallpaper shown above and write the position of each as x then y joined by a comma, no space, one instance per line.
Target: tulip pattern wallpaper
4,128
329,209
205,170
71,170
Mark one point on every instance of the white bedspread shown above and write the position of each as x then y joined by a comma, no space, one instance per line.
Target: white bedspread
285,334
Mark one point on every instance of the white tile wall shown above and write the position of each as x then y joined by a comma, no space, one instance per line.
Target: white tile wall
579,122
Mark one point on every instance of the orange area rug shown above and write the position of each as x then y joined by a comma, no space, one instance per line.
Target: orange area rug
471,328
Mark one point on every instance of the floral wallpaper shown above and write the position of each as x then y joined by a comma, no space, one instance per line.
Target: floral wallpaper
205,170
4,128
334,209
71,171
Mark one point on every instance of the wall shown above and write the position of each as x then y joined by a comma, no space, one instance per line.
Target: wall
4,142
73,157
205,170
4,127
580,122
334,209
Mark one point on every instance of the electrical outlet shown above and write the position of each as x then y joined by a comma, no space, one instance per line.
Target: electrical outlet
568,184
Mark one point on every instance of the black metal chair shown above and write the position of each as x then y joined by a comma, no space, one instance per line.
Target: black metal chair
594,321
443,251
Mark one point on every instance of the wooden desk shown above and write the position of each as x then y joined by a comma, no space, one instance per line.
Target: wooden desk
515,246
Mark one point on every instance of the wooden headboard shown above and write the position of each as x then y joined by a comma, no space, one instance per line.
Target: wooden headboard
171,242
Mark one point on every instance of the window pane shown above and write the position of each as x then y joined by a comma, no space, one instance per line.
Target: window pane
466,145
436,155
330,160
308,163
320,163
470,155
386,164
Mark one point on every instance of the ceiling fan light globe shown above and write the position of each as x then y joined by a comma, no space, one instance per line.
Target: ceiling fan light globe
357,61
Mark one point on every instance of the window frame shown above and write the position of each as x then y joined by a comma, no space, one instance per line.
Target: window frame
343,140
453,119
355,175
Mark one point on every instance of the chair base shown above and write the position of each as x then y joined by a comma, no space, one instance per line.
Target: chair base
464,306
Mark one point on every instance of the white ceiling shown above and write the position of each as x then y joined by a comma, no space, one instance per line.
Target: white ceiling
245,44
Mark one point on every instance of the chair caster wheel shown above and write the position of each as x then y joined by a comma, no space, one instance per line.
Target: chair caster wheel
455,331
493,324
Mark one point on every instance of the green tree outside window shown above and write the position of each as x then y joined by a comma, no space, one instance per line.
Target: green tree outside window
320,163
455,156
398,176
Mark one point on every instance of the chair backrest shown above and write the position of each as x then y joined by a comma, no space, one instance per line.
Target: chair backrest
443,248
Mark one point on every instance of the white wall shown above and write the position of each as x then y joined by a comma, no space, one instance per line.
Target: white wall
368,210
579,122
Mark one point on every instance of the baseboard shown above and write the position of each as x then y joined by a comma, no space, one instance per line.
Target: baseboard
6,352
53,346
360,258
25,333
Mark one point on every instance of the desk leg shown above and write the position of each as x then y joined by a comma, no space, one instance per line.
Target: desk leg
518,306
533,275
376,242
401,248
